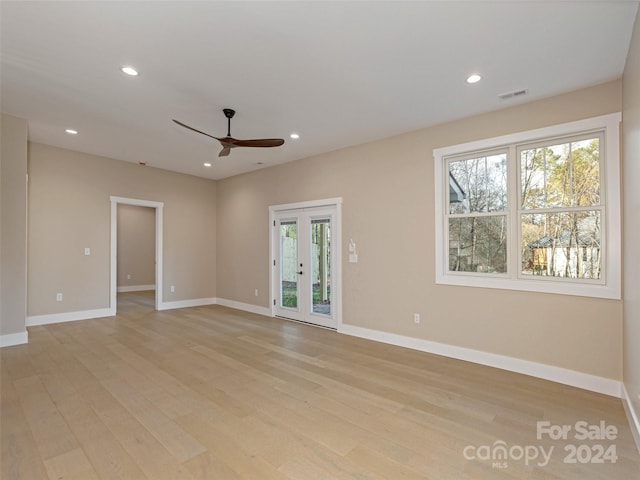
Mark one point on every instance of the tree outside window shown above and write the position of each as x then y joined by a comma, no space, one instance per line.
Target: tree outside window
477,217
561,216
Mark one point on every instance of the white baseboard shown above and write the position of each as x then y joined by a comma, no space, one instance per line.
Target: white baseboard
11,339
34,320
135,288
194,302
565,376
247,307
632,415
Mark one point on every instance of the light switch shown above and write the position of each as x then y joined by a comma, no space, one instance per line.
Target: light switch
353,253
87,251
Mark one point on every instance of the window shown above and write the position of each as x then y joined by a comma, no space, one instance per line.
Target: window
477,219
536,210
560,210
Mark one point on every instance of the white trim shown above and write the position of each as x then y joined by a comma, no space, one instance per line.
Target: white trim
34,320
565,376
47,319
632,416
135,288
612,273
326,202
247,307
159,206
194,302
569,128
11,339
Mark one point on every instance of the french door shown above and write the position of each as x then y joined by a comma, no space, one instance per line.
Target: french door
304,265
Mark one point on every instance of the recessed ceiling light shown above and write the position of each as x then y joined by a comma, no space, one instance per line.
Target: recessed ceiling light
475,78
130,71
71,131
295,136
207,164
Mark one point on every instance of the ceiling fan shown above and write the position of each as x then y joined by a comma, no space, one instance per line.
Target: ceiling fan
229,142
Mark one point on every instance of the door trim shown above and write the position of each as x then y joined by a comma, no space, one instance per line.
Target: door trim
336,277
159,206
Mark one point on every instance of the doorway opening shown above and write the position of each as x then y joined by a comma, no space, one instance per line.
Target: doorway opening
157,269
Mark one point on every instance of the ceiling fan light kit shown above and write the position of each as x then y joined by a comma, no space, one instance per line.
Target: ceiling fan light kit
229,142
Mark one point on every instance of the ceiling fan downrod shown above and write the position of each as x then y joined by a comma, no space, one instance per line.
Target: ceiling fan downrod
229,113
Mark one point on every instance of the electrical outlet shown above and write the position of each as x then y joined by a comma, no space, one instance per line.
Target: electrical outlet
128,276
416,318
256,292
58,297
173,289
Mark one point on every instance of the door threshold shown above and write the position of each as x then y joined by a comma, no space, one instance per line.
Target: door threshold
306,323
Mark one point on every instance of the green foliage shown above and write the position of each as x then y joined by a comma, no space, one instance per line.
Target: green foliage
290,296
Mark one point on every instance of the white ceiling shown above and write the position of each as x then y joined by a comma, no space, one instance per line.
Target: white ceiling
338,73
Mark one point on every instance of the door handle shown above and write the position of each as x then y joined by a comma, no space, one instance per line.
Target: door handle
300,272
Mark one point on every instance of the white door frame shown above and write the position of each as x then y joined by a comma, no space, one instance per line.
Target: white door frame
115,201
336,275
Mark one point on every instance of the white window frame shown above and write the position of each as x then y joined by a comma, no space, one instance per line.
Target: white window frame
610,284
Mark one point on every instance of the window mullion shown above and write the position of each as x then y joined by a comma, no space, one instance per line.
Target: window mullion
513,211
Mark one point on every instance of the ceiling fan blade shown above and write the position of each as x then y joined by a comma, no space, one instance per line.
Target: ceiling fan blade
262,142
195,129
229,142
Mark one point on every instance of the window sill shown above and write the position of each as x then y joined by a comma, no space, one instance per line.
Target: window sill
546,285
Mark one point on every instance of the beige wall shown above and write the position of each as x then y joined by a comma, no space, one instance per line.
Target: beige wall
69,209
136,246
387,190
631,172
13,237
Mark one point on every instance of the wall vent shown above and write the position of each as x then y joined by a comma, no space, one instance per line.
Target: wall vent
514,94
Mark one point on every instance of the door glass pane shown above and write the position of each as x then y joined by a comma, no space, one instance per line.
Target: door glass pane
321,265
288,264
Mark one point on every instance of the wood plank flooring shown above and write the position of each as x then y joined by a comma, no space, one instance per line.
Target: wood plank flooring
214,393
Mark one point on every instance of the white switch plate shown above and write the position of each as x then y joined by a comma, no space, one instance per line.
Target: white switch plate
87,251
58,297
173,289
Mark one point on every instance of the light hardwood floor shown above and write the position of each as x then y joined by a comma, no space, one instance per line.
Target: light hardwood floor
215,393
